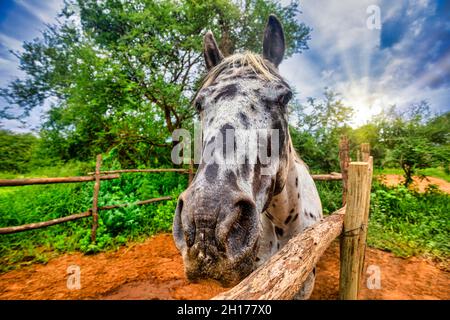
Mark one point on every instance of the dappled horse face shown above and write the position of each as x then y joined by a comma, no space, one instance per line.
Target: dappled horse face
242,106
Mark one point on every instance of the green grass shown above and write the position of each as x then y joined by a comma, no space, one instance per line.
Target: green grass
432,172
436,172
67,170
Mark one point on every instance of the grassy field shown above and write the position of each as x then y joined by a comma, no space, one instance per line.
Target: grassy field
432,172
402,221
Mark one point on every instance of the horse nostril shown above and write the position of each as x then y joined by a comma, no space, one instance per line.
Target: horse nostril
183,229
239,230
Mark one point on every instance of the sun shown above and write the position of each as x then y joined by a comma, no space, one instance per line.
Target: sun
365,104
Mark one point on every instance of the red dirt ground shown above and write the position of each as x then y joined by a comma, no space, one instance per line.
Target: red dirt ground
421,184
154,270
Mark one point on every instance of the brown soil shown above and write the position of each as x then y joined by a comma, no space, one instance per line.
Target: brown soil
420,184
154,270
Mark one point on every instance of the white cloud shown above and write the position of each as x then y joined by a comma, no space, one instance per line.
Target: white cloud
10,42
345,55
45,11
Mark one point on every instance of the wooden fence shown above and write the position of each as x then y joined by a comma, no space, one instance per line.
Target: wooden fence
284,273
96,176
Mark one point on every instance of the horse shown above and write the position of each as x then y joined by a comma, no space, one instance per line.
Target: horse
235,214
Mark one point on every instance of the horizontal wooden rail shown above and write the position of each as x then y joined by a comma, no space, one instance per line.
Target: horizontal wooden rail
43,224
326,177
282,276
142,170
319,177
31,181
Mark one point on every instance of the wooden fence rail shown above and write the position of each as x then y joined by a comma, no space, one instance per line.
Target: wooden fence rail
282,276
142,170
191,172
76,216
31,181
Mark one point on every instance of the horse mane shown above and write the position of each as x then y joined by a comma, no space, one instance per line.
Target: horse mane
260,67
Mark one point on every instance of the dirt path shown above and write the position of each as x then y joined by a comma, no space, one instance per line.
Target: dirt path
153,270
421,184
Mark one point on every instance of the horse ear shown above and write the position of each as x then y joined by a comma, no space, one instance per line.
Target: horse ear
211,51
273,43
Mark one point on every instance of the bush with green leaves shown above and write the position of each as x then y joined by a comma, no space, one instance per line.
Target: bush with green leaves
407,222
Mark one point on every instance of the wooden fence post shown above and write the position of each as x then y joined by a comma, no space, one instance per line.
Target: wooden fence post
344,160
95,200
358,193
365,152
365,223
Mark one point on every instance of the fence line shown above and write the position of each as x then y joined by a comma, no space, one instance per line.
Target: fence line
191,172
106,175
43,224
32,181
142,170
76,216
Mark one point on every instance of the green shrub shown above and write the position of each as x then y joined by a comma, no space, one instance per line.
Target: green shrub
330,193
407,222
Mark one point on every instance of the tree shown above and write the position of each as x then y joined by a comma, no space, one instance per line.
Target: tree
415,139
320,123
120,74
322,116
16,150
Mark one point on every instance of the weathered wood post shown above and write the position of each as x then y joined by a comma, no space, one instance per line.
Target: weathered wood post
365,152
344,160
357,197
95,199
365,225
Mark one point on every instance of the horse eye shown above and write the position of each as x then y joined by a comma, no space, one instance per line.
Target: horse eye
284,98
198,106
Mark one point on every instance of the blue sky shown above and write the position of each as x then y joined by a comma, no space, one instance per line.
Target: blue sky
405,61
22,20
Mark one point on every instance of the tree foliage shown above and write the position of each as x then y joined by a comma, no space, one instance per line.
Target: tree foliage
119,75
415,139
320,123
